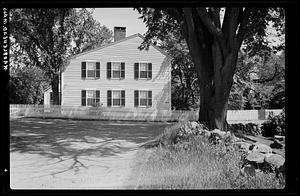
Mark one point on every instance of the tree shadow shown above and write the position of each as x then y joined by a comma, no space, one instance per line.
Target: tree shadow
68,139
164,70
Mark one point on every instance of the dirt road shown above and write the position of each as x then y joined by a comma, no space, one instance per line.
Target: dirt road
65,154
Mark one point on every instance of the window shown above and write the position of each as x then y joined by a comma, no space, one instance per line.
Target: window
90,98
143,70
115,98
142,98
116,70
90,70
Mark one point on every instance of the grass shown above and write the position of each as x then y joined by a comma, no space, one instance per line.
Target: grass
196,164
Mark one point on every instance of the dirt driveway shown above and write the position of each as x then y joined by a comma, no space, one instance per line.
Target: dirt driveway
66,154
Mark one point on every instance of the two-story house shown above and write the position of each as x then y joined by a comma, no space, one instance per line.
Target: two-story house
118,75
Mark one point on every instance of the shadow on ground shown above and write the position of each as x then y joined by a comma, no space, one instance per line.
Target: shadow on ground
68,139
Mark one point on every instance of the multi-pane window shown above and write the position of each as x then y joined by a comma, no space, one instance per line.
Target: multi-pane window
116,97
143,70
91,69
91,98
142,98
116,69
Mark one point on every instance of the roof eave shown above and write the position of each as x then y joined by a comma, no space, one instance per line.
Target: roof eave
101,47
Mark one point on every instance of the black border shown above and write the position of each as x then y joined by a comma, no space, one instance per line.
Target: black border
292,87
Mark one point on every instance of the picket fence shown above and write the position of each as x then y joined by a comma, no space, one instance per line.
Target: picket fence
138,114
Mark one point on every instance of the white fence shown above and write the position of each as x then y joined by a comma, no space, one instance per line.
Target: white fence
232,115
138,114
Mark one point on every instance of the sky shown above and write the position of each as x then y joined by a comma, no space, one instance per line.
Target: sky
127,17
124,17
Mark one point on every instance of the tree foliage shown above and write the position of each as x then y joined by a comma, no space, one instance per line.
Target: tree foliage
26,85
49,36
214,37
185,91
86,33
259,82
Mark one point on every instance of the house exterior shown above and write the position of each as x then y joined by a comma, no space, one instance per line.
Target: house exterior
48,96
119,75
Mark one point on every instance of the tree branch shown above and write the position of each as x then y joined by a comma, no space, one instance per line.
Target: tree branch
230,25
174,12
215,31
216,16
243,25
189,24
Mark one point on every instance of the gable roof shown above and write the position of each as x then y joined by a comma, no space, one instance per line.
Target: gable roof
119,41
46,89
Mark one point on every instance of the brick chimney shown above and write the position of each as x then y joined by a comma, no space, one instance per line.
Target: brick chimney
119,33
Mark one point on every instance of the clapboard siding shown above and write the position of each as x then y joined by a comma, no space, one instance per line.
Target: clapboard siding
126,51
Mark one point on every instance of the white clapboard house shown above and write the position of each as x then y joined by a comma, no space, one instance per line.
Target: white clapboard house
118,75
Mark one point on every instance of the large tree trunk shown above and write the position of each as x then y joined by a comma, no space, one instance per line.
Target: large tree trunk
214,50
215,90
55,89
214,68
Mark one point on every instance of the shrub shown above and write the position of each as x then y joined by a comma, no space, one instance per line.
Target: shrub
275,125
245,129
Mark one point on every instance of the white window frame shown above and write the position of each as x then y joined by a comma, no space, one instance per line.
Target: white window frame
94,98
146,90
86,96
140,63
87,66
112,97
112,69
140,92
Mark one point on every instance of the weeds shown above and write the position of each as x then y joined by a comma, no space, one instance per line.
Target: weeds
198,164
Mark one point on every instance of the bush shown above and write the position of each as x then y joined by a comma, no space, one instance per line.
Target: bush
244,129
275,125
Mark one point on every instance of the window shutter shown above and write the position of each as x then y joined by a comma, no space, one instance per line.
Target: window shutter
97,69
123,98
136,70
108,70
149,98
97,98
109,98
150,70
83,69
136,98
123,70
83,97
